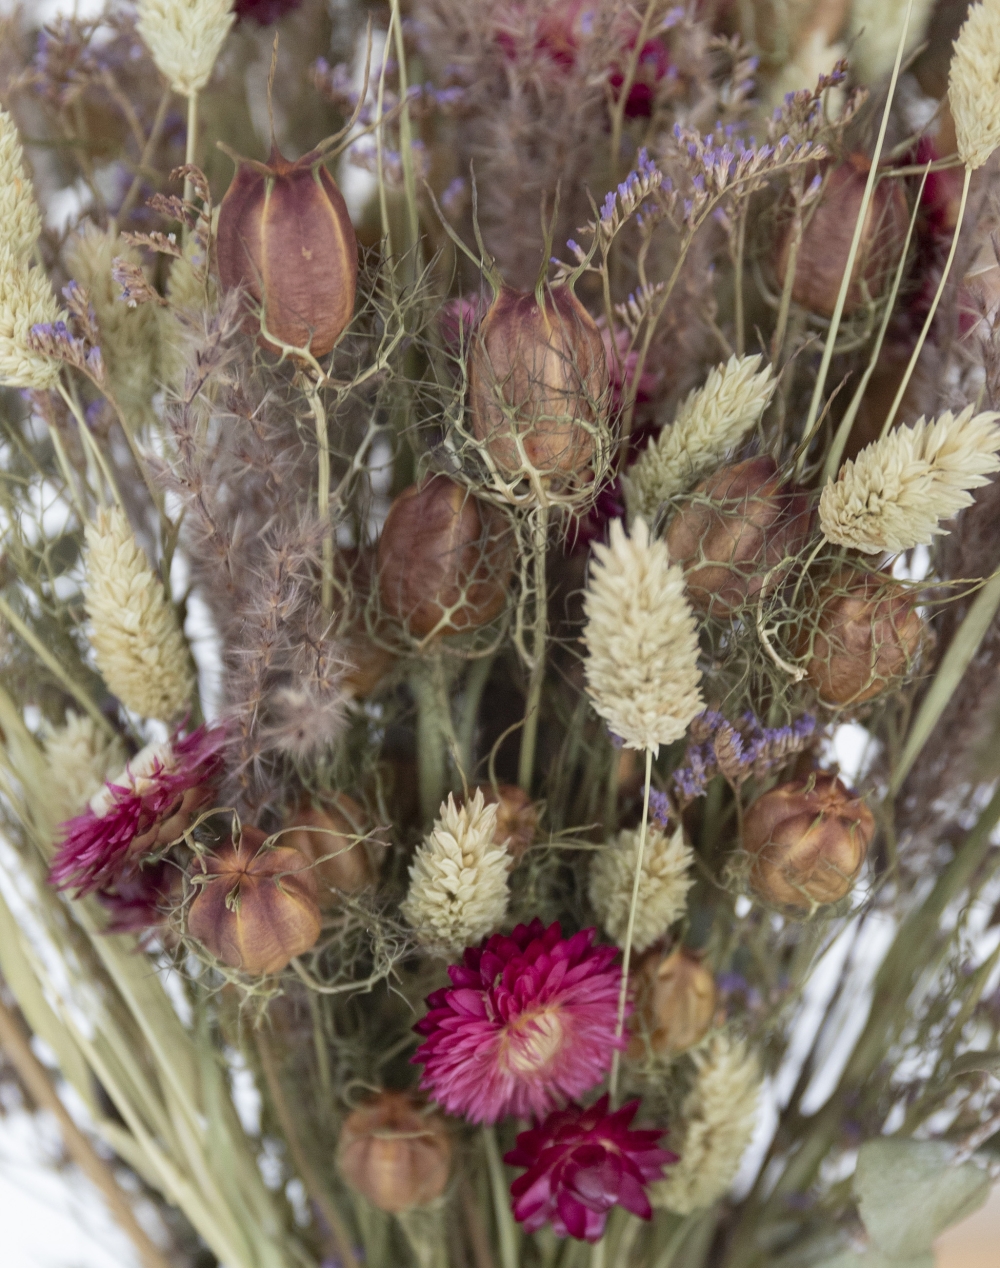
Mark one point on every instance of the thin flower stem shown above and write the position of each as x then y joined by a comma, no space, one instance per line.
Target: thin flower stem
506,1230
529,737
629,931
741,236
191,149
27,635
322,487
91,446
845,283
35,1078
314,1187
430,741
147,153
915,355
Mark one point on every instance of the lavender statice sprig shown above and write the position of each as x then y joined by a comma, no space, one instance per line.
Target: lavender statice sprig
736,752
55,339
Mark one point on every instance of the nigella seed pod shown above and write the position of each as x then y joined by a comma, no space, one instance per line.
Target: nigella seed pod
538,384
444,559
826,240
736,527
394,1155
285,235
331,837
256,910
517,818
807,841
864,638
675,999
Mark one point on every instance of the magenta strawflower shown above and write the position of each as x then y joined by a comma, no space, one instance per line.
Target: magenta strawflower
581,1163
530,1022
148,805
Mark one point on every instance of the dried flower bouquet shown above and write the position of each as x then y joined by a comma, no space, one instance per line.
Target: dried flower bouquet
500,625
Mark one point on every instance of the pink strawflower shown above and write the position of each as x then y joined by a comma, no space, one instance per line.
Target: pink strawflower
581,1163
530,1021
150,804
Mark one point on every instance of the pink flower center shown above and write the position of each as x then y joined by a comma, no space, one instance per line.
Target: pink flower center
531,1041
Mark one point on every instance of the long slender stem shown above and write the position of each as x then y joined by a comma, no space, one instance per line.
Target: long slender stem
35,1078
529,735
430,741
147,153
741,237
506,1232
314,1187
629,933
322,487
838,311
191,149
53,665
912,364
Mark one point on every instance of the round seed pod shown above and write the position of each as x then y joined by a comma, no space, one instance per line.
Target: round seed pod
675,1001
285,235
257,909
864,639
330,833
738,525
393,1155
826,240
538,384
444,559
517,818
807,841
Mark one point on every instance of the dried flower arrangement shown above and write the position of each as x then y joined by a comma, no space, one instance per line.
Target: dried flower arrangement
441,573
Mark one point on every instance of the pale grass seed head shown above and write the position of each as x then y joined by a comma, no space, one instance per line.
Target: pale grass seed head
717,1123
26,300
663,884
20,219
458,879
898,489
642,639
129,336
185,37
974,84
712,420
137,640
81,756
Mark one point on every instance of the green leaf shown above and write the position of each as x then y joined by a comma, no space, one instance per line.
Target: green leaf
908,1192
969,1062
875,1259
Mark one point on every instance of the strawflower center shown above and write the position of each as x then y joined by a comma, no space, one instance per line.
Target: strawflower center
532,1040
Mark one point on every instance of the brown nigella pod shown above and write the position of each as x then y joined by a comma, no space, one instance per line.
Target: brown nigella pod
826,240
257,909
444,559
517,818
738,525
807,840
538,383
393,1155
285,236
331,833
864,637
674,1003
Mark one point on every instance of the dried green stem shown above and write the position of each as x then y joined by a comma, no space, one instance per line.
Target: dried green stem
191,148
506,1229
629,933
35,1078
322,485
529,735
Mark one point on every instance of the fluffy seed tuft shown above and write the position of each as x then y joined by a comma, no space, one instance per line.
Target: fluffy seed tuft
19,214
972,84
710,422
642,671
898,489
137,642
458,880
717,1123
663,885
81,757
185,37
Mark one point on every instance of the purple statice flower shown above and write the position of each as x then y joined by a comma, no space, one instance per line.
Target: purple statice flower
659,806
